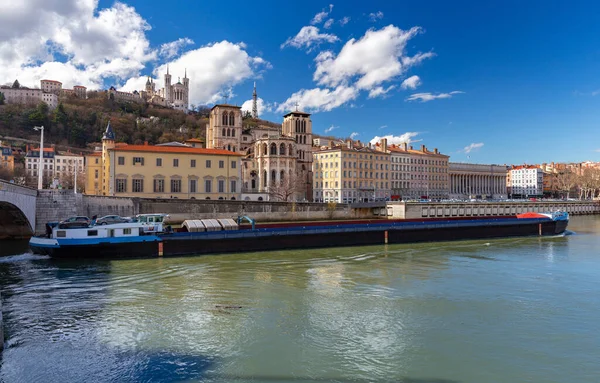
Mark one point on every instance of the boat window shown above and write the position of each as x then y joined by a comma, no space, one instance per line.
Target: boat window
61,234
143,219
92,233
126,231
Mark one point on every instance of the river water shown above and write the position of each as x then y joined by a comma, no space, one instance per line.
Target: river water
509,310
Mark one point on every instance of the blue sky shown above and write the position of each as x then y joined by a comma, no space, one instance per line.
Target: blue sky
519,81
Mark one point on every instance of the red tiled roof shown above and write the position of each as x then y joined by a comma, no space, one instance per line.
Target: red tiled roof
95,154
194,140
172,149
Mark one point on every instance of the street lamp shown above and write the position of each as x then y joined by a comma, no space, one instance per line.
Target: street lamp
41,129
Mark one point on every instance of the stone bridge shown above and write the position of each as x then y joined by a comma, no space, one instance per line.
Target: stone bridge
17,210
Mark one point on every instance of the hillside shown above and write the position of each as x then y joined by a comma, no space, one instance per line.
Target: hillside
80,123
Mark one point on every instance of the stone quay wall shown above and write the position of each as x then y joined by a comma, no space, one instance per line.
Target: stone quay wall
415,210
57,205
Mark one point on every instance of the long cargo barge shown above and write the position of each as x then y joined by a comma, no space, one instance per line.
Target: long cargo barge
153,239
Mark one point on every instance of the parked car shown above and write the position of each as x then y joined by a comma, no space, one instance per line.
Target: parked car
74,222
109,219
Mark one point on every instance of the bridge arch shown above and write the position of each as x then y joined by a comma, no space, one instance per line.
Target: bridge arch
17,210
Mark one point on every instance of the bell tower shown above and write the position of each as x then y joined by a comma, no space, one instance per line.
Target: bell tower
225,128
168,98
298,125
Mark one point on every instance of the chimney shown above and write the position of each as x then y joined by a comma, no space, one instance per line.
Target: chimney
423,148
359,144
330,144
146,143
436,151
384,145
369,145
405,146
410,147
349,144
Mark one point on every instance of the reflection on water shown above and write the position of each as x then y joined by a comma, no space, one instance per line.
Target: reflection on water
476,311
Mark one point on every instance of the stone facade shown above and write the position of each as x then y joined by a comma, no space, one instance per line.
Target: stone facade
477,181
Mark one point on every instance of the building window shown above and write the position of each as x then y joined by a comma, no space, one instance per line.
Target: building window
233,186
175,162
96,173
159,162
121,185
193,163
121,161
221,186
208,164
192,186
207,186
233,164
137,185
138,160
159,186
221,164
175,186
97,160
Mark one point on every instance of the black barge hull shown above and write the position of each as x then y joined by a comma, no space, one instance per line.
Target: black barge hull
238,241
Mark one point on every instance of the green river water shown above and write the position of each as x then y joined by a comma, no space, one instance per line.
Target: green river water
509,310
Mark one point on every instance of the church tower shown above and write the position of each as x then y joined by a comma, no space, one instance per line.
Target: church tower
168,95
298,125
225,128
186,93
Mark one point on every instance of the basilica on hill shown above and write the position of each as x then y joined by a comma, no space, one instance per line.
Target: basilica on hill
277,160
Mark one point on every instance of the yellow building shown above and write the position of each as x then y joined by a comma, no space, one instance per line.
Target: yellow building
163,171
350,173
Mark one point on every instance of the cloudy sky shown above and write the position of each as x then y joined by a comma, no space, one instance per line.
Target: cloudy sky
508,82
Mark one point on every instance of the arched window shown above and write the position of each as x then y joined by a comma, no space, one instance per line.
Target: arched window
224,132
225,118
265,180
253,184
291,150
303,126
234,148
231,119
273,177
297,126
229,147
260,198
228,132
282,150
232,132
281,176
273,149
265,149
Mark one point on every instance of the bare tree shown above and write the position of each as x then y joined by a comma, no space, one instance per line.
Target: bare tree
566,181
285,189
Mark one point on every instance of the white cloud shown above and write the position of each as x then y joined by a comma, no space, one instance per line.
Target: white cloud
309,37
319,17
172,49
345,20
261,105
378,56
353,135
424,97
380,91
397,140
376,16
596,92
319,99
331,128
212,69
411,83
473,146
328,23
71,41
383,127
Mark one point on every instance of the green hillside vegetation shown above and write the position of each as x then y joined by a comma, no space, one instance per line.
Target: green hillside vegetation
80,123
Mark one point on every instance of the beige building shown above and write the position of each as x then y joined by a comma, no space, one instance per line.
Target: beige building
350,173
477,181
163,171
50,92
417,174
